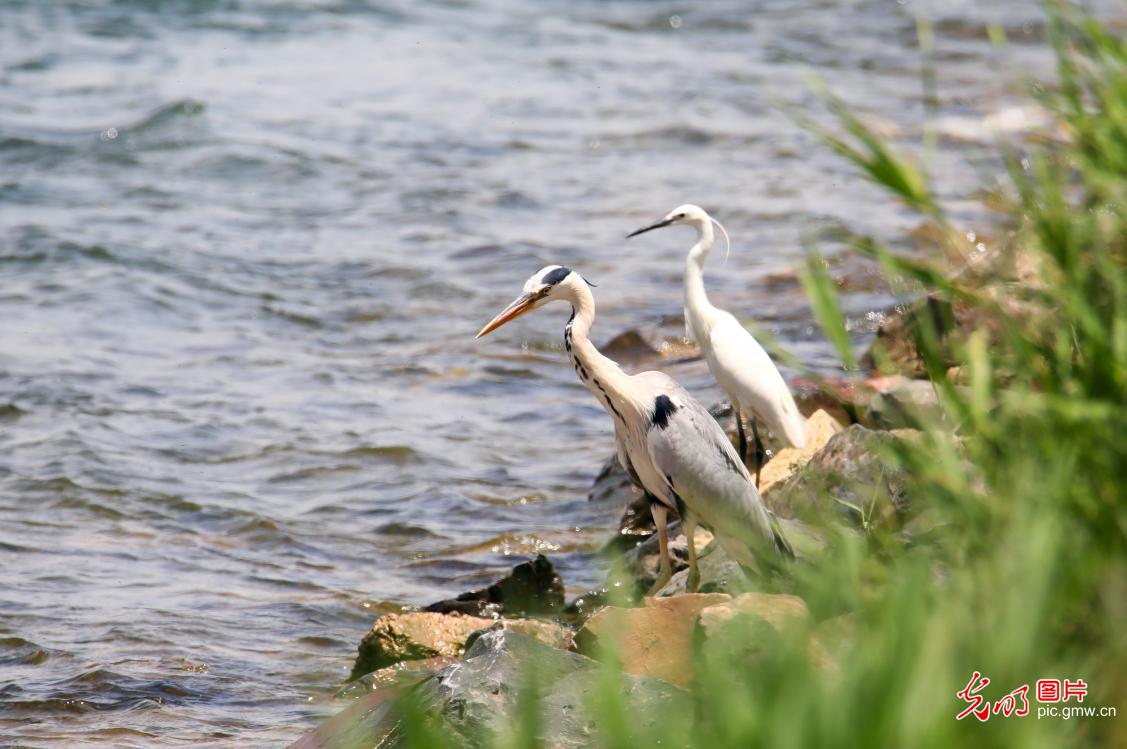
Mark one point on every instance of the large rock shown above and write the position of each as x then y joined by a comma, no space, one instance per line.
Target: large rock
414,636
368,722
653,640
898,401
895,348
478,698
838,398
820,427
780,611
751,625
851,473
994,276
550,633
631,349
532,589
371,719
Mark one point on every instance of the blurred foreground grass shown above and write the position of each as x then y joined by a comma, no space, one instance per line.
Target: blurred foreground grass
1010,559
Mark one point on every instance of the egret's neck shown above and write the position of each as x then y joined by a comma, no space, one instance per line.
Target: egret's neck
697,306
602,376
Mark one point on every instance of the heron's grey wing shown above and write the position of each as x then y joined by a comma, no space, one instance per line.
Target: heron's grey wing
701,467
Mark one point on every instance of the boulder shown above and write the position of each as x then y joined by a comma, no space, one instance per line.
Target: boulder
899,401
631,349
838,398
478,698
368,722
780,611
550,633
655,639
894,349
532,589
753,624
852,473
414,636
992,275
820,427
396,676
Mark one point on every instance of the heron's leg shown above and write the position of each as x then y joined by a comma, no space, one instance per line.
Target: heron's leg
760,452
690,527
661,513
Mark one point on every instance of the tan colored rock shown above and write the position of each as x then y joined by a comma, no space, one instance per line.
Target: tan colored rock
653,640
819,428
780,611
414,636
785,614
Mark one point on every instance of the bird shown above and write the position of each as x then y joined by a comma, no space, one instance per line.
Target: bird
736,360
667,442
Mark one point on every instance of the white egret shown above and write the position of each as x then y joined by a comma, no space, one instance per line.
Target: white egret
737,361
668,443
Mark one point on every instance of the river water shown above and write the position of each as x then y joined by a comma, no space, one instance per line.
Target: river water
245,246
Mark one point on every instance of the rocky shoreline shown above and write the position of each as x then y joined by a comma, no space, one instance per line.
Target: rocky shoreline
462,660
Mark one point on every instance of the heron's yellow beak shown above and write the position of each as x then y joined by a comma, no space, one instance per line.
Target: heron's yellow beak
520,305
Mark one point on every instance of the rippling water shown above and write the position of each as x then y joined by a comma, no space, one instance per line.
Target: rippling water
244,248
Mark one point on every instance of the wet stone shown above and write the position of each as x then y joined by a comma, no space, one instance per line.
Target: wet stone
550,633
478,697
413,636
850,473
532,589
655,639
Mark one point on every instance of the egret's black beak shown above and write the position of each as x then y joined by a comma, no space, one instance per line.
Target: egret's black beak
519,306
658,225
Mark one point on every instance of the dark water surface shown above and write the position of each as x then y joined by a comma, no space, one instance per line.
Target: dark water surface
244,248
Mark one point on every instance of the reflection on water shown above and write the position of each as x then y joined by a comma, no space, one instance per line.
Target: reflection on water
245,247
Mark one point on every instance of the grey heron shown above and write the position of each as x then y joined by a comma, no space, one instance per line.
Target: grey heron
737,361
667,442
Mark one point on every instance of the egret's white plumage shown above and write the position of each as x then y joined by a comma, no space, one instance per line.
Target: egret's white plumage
740,365
667,441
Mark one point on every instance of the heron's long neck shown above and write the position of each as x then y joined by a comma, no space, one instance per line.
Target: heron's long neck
696,299
602,376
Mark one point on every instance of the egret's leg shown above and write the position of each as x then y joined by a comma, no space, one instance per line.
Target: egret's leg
740,432
690,527
760,452
661,513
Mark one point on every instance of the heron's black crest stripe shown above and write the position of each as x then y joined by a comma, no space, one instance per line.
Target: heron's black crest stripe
556,275
592,285
663,409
